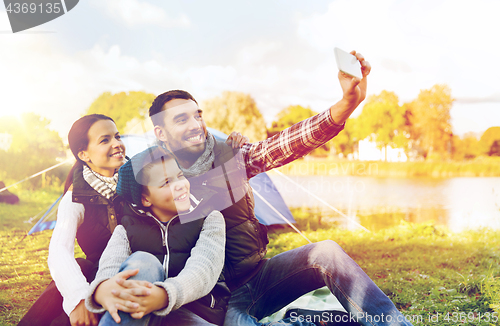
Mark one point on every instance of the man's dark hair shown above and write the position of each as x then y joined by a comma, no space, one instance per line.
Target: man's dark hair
160,101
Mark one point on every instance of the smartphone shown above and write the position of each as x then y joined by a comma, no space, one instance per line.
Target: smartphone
347,63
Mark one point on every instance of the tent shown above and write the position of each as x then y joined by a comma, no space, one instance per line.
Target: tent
270,210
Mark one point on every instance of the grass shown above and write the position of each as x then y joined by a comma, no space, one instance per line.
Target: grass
481,167
23,259
425,269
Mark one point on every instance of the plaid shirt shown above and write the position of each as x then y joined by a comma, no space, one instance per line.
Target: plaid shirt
289,144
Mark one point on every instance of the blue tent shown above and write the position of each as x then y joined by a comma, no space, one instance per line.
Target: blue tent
269,210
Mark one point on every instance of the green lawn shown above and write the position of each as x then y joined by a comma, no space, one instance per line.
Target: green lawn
426,270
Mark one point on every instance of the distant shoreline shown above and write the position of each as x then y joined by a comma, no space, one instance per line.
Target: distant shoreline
489,167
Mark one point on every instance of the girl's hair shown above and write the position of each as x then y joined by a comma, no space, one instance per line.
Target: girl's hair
144,175
78,139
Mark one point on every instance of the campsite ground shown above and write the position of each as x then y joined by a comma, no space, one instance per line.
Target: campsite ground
434,276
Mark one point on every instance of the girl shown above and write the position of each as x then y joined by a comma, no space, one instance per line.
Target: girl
174,239
89,211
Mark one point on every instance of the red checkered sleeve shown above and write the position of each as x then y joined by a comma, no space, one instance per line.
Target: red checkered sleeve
289,144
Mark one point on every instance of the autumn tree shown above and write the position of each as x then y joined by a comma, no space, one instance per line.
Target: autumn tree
123,108
429,115
235,111
488,139
465,148
34,147
290,116
384,121
345,141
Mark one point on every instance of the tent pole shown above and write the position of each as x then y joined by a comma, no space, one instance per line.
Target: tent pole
46,213
36,174
280,215
321,200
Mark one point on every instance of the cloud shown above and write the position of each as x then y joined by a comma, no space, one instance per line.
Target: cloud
414,45
256,53
135,13
493,98
39,76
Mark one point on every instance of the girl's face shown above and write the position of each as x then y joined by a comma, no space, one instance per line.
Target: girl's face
105,152
167,190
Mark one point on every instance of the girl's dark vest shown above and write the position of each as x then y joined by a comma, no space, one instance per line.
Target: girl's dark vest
101,217
144,234
246,238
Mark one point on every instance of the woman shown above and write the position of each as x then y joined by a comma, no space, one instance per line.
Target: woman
89,211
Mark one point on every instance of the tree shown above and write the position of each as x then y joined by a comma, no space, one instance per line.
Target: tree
384,120
465,148
34,147
488,139
429,116
495,148
235,111
344,142
123,107
290,116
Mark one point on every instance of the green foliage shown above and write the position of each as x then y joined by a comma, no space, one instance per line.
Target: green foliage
429,116
123,107
490,286
384,120
34,148
345,141
235,111
490,141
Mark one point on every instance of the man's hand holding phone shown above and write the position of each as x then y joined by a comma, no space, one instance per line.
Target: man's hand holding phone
353,87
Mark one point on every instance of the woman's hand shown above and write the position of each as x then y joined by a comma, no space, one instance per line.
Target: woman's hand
236,139
80,316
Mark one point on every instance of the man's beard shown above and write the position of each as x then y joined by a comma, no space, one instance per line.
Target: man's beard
185,153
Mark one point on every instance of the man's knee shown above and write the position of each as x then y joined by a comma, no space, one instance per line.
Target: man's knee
326,249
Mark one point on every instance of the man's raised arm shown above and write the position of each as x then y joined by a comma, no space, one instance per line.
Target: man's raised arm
307,135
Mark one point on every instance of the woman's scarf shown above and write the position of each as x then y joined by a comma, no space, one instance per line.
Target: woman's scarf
106,186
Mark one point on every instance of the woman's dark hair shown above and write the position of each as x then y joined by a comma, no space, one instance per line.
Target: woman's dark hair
78,140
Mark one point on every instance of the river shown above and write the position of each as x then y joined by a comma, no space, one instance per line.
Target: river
457,203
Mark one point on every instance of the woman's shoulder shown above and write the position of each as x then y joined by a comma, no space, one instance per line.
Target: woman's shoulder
69,210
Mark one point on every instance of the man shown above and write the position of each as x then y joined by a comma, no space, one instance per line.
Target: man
261,287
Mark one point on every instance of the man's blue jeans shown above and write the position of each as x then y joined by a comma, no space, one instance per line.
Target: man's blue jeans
291,274
151,270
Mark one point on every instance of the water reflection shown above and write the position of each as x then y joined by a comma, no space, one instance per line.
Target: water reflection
376,203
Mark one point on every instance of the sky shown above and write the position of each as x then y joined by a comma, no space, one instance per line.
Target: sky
278,51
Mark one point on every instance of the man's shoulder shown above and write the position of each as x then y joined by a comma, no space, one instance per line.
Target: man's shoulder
223,153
